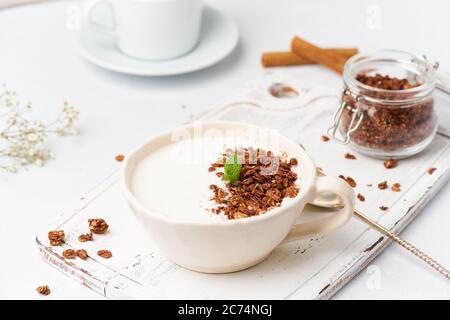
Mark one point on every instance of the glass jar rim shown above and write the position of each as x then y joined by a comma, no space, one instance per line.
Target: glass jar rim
428,72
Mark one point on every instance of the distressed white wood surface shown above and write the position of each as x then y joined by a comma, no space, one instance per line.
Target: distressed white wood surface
309,269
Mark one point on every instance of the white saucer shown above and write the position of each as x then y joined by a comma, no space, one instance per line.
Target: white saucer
218,38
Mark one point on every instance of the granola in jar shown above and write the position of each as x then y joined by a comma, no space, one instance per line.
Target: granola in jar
387,106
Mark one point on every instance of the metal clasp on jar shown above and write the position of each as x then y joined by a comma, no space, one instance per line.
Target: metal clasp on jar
357,117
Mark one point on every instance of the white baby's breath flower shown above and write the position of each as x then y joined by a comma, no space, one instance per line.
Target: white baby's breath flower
32,137
11,168
11,119
22,140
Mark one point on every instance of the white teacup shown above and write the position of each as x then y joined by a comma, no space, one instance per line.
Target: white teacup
150,29
221,245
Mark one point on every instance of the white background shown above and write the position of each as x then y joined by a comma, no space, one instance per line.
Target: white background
38,59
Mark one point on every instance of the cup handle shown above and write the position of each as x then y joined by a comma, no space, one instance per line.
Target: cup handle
327,185
88,6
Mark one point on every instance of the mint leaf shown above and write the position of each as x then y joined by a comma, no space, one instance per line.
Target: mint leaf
232,169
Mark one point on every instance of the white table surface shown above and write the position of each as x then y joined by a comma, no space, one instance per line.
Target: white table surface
38,59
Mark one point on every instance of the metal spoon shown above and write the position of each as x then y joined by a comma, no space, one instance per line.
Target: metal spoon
327,201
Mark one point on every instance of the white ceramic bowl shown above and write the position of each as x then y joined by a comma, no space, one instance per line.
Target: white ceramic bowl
220,246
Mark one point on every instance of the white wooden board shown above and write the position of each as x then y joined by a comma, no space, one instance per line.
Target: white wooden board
314,268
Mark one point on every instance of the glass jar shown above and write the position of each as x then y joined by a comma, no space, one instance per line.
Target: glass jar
387,105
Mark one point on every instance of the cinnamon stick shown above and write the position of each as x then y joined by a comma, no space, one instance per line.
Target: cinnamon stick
282,59
328,59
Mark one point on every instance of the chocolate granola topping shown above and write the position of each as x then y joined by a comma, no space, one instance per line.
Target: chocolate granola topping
349,156
264,181
351,182
44,290
325,138
82,254
382,185
396,187
69,254
106,254
120,157
385,82
56,237
98,225
391,163
85,237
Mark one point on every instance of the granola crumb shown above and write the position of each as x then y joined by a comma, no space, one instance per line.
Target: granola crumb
85,237
82,254
56,237
396,187
431,170
361,197
69,254
211,169
350,156
384,208
120,157
44,290
240,215
325,138
219,174
106,254
382,185
391,163
351,182
293,162
98,225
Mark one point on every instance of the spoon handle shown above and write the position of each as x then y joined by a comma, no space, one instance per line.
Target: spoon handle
405,244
